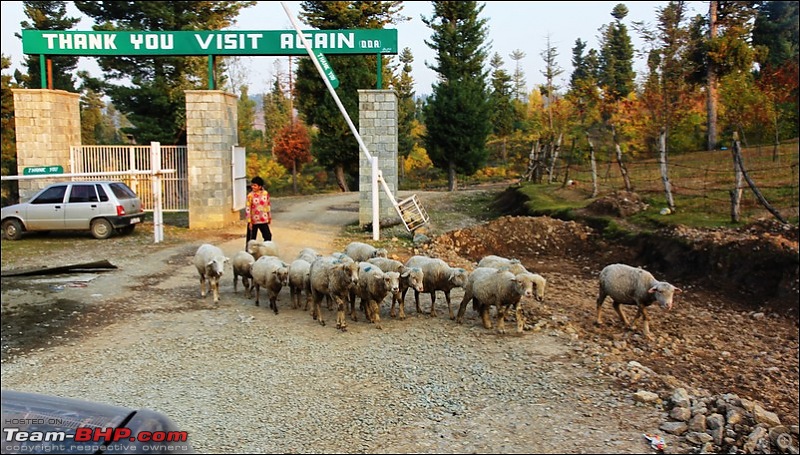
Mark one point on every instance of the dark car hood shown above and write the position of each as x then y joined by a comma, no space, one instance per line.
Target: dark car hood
37,414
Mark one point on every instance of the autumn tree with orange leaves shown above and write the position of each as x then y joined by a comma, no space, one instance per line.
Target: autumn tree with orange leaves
292,148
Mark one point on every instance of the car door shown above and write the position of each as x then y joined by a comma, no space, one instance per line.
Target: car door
82,206
45,212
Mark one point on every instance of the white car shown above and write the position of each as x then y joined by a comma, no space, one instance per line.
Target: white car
101,207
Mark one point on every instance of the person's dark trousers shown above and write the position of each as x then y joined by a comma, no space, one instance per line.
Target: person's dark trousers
253,234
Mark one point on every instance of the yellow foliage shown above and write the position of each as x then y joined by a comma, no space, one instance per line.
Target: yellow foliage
417,159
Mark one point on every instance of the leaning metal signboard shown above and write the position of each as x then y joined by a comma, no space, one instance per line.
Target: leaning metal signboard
269,42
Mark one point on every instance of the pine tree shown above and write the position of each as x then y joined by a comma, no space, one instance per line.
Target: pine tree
48,15
775,36
277,112
151,89
551,71
457,113
335,147
249,137
502,110
406,108
520,91
8,163
616,56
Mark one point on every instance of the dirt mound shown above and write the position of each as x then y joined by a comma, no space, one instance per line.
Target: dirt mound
620,204
530,239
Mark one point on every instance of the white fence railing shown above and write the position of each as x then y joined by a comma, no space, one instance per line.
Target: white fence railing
126,159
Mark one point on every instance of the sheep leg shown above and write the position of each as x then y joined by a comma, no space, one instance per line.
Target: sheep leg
341,308
449,307
316,308
600,299
416,301
273,301
433,304
214,284
392,313
354,313
501,319
463,307
258,292
643,314
235,280
202,286
375,313
485,317
520,317
620,313
248,287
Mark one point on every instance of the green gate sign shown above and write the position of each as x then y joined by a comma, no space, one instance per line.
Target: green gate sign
326,67
42,170
254,42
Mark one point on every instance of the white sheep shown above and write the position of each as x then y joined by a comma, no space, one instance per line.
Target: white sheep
489,286
514,266
342,257
633,286
260,248
498,262
272,274
373,286
410,277
242,262
360,251
437,276
300,281
308,254
332,278
210,262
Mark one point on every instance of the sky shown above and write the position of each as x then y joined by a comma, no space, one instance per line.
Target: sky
512,26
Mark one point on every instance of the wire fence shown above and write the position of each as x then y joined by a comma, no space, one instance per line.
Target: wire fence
701,180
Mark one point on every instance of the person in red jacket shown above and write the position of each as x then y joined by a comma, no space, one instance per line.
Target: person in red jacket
258,211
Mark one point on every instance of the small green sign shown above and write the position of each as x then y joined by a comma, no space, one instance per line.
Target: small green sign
42,170
328,69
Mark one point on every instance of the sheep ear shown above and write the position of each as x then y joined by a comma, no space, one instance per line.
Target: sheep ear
678,290
652,290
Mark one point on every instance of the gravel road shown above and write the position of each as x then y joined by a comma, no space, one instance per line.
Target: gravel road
241,379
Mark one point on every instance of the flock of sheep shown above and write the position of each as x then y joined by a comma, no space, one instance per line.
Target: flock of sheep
365,273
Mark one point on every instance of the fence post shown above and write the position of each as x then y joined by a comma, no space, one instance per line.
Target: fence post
158,214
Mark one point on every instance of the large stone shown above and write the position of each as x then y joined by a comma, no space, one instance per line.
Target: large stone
761,415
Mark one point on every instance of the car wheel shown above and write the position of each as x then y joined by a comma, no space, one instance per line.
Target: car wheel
12,229
127,229
102,229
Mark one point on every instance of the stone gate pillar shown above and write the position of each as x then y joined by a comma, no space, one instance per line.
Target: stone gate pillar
211,119
377,125
48,122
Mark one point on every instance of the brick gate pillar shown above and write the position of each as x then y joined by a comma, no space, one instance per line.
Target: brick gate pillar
377,125
211,119
48,122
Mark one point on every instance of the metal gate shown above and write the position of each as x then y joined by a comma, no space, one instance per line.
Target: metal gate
127,158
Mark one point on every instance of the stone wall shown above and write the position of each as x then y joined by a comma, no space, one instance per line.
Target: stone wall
377,125
211,121
48,122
